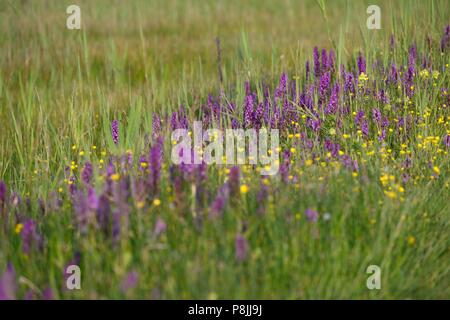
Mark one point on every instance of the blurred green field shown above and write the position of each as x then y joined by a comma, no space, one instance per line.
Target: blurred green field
60,89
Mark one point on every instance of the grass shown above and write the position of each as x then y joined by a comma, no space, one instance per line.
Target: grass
60,89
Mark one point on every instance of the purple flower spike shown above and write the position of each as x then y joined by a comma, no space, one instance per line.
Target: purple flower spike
156,125
130,281
47,294
219,202
312,215
86,174
316,62
3,191
248,111
30,236
361,64
8,285
160,227
447,141
115,131
241,246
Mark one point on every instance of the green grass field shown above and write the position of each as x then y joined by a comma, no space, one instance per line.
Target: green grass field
310,232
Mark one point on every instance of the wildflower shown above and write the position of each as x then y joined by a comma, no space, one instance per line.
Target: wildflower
316,62
130,281
333,103
219,202
30,236
324,85
424,74
446,143
115,177
435,74
436,170
244,189
411,240
160,227
86,174
18,228
8,285
115,131
156,125
390,194
248,111
362,79
103,213
47,294
311,215
155,164
156,202
3,191
241,247
361,62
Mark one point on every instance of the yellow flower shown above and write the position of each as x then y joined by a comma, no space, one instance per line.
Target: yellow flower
144,164
115,177
244,189
411,240
293,150
436,170
156,202
140,204
390,194
424,74
18,228
362,79
436,74
81,153
308,162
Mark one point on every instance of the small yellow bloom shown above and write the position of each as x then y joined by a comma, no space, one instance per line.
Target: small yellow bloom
115,177
81,153
436,170
18,228
411,240
390,194
355,174
244,189
436,74
308,162
140,204
156,202
144,164
293,150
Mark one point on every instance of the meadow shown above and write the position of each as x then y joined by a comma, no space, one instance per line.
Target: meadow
86,118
